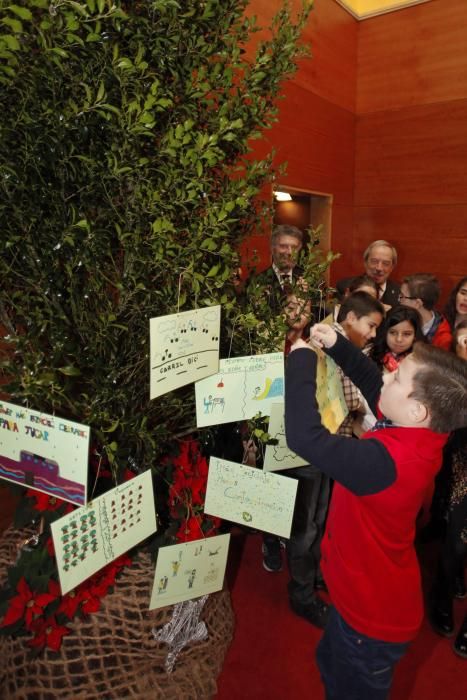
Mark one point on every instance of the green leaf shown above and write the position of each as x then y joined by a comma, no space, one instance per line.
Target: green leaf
213,271
112,428
11,41
125,64
14,24
22,12
70,371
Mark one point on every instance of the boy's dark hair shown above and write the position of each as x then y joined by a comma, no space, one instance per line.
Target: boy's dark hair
450,312
396,315
361,281
441,385
424,286
362,304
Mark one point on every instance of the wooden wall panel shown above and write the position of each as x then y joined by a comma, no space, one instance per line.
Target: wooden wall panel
342,241
315,133
411,139
431,238
416,155
331,33
317,139
412,57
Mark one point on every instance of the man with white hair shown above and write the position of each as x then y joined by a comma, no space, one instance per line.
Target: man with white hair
379,259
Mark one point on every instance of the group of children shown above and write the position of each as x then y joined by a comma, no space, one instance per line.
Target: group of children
413,396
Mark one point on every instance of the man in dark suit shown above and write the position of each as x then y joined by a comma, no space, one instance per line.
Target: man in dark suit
379,259
286,244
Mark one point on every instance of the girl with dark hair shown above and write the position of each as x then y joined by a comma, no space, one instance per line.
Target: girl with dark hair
455,310
401,328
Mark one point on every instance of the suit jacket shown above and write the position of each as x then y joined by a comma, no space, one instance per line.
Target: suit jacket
390,296
272,288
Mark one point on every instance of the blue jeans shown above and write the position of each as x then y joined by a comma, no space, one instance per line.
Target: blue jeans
353,666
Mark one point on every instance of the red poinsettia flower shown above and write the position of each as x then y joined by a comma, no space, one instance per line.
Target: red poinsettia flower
90,601
190,530
198,490
70,603
49,545
44,501
28,604
48,632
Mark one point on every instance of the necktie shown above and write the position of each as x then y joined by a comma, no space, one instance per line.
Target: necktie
285,280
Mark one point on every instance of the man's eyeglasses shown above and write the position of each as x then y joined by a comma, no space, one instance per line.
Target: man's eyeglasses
403,296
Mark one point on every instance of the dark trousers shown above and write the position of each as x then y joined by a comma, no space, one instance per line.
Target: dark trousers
353,666
453,554
303,547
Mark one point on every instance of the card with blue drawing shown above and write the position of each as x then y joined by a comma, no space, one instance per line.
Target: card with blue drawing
92,536
44,452
184,347
243,387
250,496
189,570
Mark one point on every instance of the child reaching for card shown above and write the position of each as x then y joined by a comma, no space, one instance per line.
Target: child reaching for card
368,555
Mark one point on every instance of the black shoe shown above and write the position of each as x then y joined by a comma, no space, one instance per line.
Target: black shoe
460,645
316,611
459,587
272,557
441,619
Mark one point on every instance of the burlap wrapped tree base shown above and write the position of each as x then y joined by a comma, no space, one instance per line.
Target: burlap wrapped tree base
112,655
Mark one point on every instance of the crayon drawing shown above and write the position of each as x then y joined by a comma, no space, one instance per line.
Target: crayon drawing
44,452
247,495
189,570
184,347
279,456
243,387
329,393
92,536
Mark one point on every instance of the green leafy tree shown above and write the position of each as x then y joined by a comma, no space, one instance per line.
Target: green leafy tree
126,185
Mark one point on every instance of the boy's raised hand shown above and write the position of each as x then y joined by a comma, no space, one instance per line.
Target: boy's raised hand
323,335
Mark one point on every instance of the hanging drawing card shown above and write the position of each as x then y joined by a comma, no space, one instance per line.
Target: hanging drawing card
92,536
250,496
279,456
243,387
329,393
44,452
189,570
184,347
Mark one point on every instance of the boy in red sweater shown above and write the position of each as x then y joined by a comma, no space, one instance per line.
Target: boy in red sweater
368,555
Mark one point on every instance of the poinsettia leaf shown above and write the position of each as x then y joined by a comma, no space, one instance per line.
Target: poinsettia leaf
14,630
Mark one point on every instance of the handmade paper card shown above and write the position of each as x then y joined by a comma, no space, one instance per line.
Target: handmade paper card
243,387
184,347
110,525
250,496
279,456
44,452
189,570
329,393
